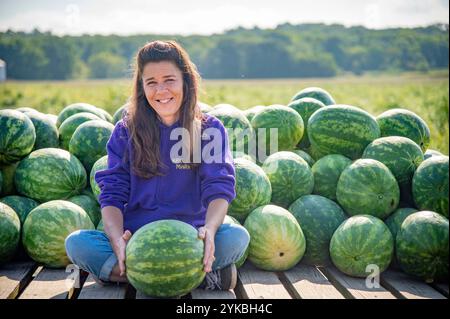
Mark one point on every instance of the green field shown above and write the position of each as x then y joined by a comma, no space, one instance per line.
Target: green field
427,95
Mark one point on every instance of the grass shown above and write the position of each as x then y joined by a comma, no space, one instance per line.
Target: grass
425,94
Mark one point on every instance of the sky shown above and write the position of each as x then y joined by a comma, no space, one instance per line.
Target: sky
204,17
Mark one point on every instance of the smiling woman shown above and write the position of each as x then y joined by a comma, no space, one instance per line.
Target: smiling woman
144,183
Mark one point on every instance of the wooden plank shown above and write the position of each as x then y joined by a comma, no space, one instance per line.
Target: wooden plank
92,290
405,286
307,282
259,284
13,277
441,287
212,294
352,287
49,284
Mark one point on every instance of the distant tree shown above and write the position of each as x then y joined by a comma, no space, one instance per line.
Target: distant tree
106,65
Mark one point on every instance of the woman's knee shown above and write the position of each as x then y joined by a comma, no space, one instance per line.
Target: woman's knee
79,244
236,238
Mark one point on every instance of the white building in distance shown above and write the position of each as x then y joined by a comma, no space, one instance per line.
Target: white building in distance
2,70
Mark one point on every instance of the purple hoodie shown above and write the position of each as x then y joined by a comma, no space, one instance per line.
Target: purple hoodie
182,194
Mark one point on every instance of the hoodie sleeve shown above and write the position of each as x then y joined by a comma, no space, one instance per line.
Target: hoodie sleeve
114,182
218,178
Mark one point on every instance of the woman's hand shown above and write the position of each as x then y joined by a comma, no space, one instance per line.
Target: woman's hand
119,245
208,237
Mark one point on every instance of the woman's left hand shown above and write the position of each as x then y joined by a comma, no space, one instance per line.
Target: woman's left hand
208,237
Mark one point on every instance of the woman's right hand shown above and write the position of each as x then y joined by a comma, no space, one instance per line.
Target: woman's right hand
119,246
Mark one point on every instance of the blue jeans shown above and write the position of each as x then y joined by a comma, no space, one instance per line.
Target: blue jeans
91,250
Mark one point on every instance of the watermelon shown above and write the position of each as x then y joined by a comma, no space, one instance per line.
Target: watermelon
21,205
68,127
88,192
204,108
90,206
99,165
118,115
78,108
52,117
231,220
1,181
164,259
17,138
327,171
46,228
430,185
290,177
50,173
8,173
277,241
401,122
394,221
368,187
361,241
240,132
400,154
422,246
315,93
253,188
251,112
100,226
280,119
237,154
308,159
9,233
26,109
106,115
89,140
319,218
305,107
342,129
430,153
46,132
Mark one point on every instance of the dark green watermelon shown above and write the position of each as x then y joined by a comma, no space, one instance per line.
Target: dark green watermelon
308,159
68,127
9,233
394,221
100,164
21,205
8,172
315,93
46,132
430,153
119,113
90,206
251,112
319,218
78,108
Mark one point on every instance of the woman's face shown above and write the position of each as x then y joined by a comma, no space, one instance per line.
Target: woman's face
163,88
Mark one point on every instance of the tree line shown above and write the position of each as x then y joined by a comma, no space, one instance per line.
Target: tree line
287,51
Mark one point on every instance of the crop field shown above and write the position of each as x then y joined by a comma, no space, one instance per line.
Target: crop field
425,94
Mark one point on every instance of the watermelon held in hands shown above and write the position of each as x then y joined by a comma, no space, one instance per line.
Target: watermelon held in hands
9,233
49,174
401,122
88,142
342,129
422,245
361,243
46,228
430,185
277,242
368,187
290,177
319,217
165,259
21,205
315,93
253,189
68,127
17,138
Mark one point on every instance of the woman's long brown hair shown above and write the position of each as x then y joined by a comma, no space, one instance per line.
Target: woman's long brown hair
141,118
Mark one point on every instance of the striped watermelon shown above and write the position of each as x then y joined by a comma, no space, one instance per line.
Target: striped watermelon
361,241
327,171
253,188
99,165
315,93
251,112
68,127
89,140
422,245
46,132
75,108
368,187
319,218
9,233
50,173
308,159
401,122
394,221
21,205
282,119
430,185
400,154
106,115
8,173
290,177
430,153
277,242
306,107
118,115
342,129
90,206
164,259
46,228
17,138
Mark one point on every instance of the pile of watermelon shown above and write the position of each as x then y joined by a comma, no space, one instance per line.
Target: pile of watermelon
317,183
